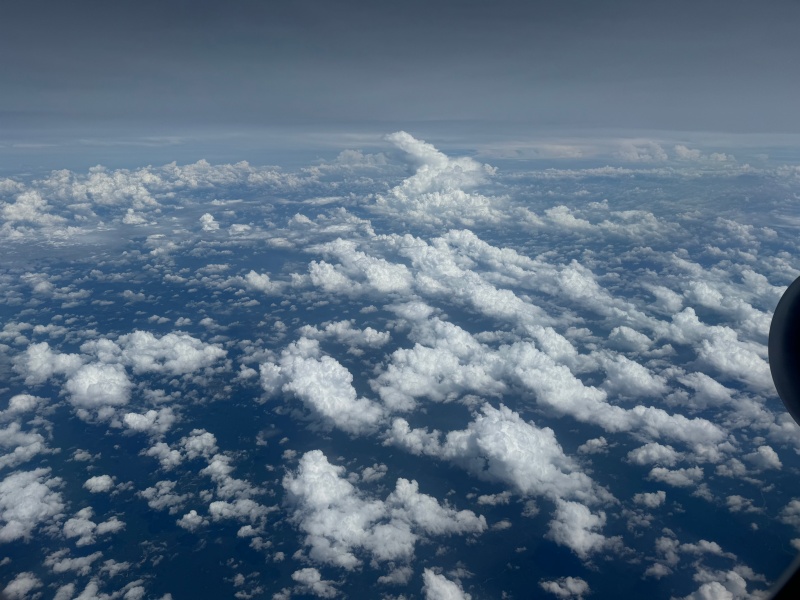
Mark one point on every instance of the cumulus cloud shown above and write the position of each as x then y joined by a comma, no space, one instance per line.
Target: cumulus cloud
738,503
162,496
208,222
199,442
340,523
61,562
153,422
99,484
20,446
594,446
97,382
440,190
20,587
344,333
764,458
626,338
324,386
356,272
168,457
192,521
261,282
576,527
27,500
566,587
310,582
728,585
651,499
82,527
98,385
641,151
684,153
173,353
447,362
638,326
500,446
21,403
39,363
654,454
677,477
439,587
628,378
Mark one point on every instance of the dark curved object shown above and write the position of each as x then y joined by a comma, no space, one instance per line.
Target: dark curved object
784,364
784,349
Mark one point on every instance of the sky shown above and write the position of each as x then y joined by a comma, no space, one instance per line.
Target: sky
125,79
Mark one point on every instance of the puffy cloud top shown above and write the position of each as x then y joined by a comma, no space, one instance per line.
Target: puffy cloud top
339,522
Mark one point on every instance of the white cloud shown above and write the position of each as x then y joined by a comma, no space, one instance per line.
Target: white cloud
725,585
25,445
39,363
199,442
192,521
20,587
566,587
619,325
684,153
82,527
162,496
357,273
790,514
153,422
719,347
98,385
641,151
168,457
576,527
400,576
261,282
764,458
677,477
242,509
310,581
495,499
61,562
22,403
654,454
447,362
438,192
324,386
629,339
707,391
339,522
651,499
173,353
439,587
208,222
30,208
99,484
594,446
344,333
629,379
27,500
738,503
499,446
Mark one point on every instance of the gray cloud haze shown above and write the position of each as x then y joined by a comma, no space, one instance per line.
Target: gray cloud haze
150,71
